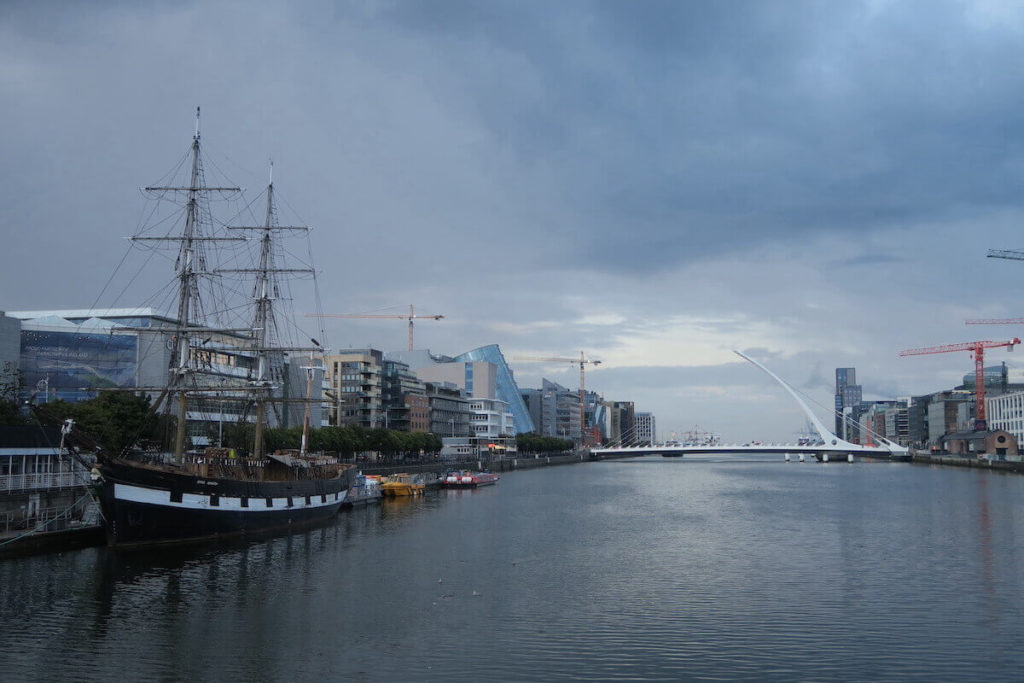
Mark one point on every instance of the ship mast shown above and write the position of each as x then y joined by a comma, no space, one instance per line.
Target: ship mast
263,317
266,289
191,265
186,290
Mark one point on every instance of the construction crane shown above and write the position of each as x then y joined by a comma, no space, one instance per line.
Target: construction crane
978,349
412,316
1011,254
995,321
583,361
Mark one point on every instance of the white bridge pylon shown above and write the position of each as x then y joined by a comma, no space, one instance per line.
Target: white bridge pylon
831,443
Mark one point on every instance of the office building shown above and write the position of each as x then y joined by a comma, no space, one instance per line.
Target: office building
645,431
356,380
502,380
848,398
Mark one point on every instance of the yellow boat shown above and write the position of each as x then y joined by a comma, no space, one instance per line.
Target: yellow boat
402,484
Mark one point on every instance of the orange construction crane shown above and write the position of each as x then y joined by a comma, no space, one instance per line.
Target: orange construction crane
978,349
412,315
583,361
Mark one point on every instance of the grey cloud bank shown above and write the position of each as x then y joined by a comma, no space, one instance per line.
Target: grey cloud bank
656,183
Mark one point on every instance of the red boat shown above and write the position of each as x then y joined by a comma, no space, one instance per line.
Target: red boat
468,480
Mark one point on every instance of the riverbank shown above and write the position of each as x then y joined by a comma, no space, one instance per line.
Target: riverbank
967,461
74,538
505,464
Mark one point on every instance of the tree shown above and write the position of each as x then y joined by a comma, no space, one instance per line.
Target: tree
534,443
10,387
117,420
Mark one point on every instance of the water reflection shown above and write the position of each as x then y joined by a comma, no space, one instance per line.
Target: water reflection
646,569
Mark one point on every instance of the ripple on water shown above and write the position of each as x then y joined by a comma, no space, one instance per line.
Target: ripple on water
643,570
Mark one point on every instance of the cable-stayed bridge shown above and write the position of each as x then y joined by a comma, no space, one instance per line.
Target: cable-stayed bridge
830,447
820,451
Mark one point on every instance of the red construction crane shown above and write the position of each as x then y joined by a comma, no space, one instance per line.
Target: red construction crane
583,361
978,349
412,315
995,321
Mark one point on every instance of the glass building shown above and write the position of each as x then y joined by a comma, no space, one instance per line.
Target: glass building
70,354
507,390
66,356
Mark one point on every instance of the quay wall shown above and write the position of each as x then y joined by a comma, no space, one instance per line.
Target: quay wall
961,461
525,461
506,464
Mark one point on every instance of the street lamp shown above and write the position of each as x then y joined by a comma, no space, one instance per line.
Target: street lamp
220,418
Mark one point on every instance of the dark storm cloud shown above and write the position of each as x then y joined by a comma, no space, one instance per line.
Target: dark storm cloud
694,128
652,182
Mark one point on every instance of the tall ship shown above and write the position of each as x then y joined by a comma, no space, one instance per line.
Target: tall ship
226,345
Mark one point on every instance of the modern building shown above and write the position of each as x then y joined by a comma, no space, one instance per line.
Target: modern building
71,354
478,379
67,354
848,399
356,380
554,409
502,380
418,410
598,419
10,351
897,422
623,422
917,420
949,412
1006,413
494,429
449,411
505,384
406,407
645,429
997,378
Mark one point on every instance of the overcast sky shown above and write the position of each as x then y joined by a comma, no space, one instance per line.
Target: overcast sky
653,183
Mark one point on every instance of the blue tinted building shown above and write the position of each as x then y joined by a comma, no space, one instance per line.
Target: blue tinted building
507,390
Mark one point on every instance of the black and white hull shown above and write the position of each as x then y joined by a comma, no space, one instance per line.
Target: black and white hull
143,506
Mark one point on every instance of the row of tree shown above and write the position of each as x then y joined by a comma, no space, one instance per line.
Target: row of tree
119,420
534,443
346,441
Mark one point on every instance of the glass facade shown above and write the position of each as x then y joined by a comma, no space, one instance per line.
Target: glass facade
507,389
66,365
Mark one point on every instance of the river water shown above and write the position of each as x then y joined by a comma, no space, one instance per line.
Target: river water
727,568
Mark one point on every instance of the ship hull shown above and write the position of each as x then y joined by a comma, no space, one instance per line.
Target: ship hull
143,507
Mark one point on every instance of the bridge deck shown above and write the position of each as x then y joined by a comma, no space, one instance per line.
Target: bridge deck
737,449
